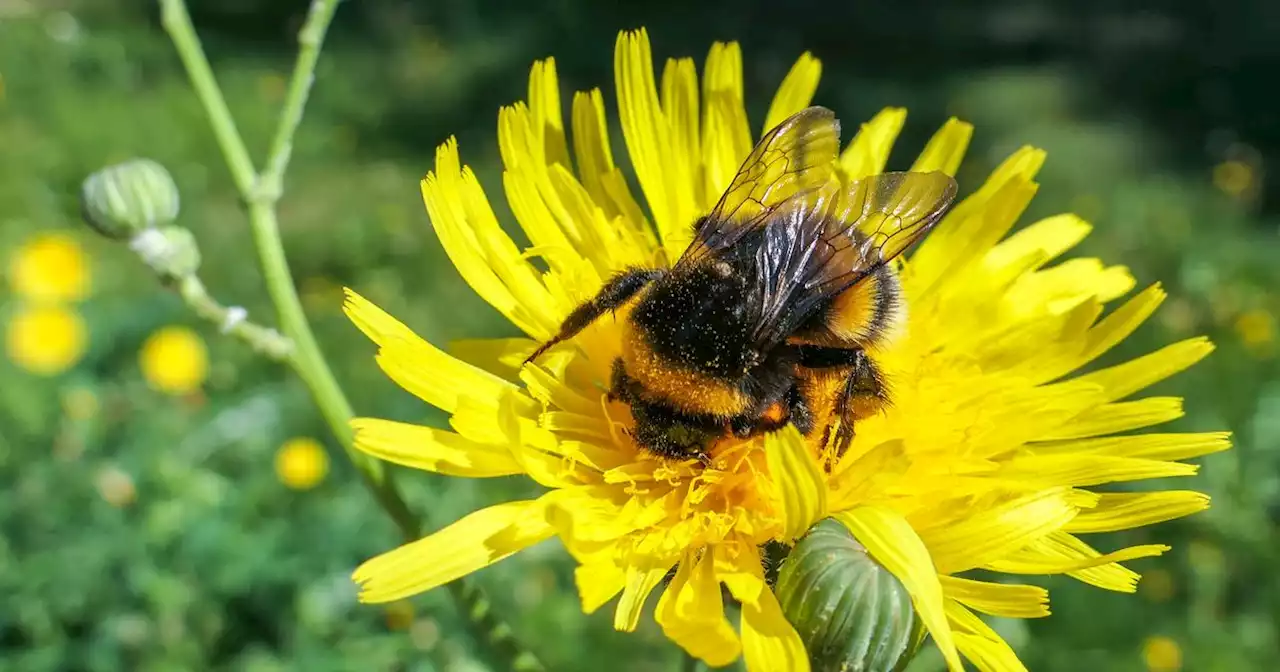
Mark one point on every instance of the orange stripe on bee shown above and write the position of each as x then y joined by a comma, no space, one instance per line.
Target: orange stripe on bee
820,389
687,390
862,315
853,313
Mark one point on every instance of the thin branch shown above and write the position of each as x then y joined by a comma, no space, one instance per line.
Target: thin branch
310,41
233,320
261,193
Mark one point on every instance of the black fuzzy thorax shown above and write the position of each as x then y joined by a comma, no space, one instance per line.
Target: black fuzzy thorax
706,319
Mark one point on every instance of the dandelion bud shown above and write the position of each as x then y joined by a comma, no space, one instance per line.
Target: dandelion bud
853,615
170,251
123,200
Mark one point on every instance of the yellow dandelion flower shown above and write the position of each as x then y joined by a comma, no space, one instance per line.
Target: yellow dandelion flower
1233,177
301,463
174,360
50,268
46,340
1162,654
1257,329
982,461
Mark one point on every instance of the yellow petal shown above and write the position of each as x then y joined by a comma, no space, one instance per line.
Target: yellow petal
663,176
798,480
1062,553
998,599
415,364
1123,380
603,182
726,136
1089,469
980,644
769,642
555,392
544,101
1125,510
967,234
503,357
1042,241
598,582
892,542
868,152
990,534
639,583
796,91
591,140
1121,323
1119,417
474,542
1150,446
680,105
946,149
479,248
691,612
431,449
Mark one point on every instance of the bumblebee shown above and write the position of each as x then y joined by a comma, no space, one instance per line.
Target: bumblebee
768,316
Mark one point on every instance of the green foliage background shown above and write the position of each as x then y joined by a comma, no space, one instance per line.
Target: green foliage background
217,565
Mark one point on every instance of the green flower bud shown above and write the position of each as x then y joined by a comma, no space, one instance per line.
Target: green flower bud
123,200
853,615
170,251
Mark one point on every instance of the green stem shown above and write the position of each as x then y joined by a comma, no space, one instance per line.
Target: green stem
262,339
310,40
689,664
176,21
261,193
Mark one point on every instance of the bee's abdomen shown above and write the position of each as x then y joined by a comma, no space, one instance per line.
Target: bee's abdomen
863,315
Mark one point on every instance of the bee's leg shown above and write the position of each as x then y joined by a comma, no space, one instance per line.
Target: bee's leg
615,292
621,386
798,411
864,394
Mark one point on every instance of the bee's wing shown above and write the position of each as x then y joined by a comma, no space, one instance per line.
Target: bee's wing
877,219
821,243
795,158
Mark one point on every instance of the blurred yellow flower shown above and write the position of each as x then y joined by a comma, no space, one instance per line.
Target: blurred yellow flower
301,463
986,458
1257,329
1162,654
174,360
50,268
116,487
1233,177
46,340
